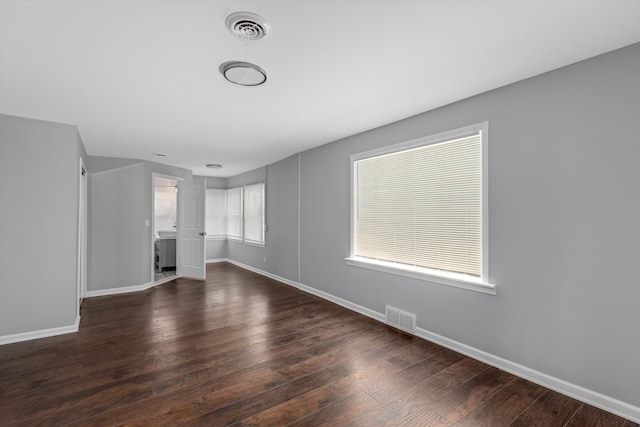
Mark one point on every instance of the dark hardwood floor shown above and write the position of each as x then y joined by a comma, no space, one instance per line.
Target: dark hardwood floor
245,350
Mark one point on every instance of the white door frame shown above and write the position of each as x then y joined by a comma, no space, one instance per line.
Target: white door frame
155,175
82,234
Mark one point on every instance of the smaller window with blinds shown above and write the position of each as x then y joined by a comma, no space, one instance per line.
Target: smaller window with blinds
234,213
254,213
216,214
419,209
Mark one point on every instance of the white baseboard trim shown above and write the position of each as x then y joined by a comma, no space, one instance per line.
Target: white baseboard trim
577,392
212,261
590,397
124,290
344,303
264,273
43,333
308,289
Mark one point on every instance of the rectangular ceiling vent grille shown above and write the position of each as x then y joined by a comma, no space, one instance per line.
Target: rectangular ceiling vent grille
400,319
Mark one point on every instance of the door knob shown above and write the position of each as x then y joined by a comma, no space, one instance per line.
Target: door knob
202,233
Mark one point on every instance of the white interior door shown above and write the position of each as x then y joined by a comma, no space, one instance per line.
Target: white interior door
191,253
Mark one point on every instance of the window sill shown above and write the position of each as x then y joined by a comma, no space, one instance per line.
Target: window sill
216,238
246,242
434,276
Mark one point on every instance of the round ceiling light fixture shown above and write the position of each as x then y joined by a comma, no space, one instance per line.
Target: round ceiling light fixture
247,26
214,166
243,73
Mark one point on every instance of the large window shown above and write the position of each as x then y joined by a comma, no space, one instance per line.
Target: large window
419,209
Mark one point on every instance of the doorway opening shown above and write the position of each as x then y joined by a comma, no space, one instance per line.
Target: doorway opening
165,228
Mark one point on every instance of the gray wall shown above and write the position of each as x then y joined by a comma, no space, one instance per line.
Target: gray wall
282,219
252,177
215,249
120,204
38,224
564,231
99,164
117,229
214,182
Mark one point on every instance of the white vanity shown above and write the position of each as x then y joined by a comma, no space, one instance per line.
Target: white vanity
165,249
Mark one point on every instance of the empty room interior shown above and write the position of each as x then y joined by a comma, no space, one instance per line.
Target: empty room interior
281,212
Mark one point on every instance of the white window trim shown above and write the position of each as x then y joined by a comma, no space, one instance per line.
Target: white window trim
462,281
254,243
216,237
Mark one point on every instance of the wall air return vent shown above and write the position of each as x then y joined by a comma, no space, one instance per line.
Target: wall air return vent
400,319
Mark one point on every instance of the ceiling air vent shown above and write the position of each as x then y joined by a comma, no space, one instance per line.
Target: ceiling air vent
248,26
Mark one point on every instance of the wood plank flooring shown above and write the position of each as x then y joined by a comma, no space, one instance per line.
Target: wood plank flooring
244,350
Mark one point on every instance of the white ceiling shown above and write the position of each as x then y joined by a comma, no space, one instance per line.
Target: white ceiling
141,76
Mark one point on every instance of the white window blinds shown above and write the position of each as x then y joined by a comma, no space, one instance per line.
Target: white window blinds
422,206
234,213
254,213
216,218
